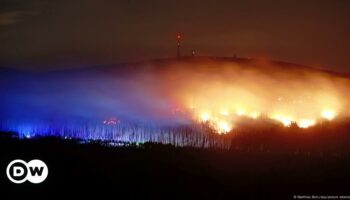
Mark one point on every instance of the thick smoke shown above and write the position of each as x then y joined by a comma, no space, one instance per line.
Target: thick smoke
83,96
175,92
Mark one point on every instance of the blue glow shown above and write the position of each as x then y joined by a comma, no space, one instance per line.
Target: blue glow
75,104
179,136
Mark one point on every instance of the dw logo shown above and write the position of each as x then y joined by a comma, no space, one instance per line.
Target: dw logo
35,171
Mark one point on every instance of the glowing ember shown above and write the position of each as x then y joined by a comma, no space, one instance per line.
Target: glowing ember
305,123
285,120
254,115
222,122
328,114
204,117
223,127
216,122
241,112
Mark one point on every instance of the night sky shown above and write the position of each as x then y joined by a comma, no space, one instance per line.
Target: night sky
57,34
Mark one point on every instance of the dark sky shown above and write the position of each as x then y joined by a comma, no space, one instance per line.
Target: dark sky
74,33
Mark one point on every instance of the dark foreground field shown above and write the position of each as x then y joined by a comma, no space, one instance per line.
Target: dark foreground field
166,172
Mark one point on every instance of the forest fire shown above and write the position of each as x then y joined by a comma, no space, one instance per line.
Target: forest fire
155,101
223,122
220,95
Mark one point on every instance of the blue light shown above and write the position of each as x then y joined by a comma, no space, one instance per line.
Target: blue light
116,135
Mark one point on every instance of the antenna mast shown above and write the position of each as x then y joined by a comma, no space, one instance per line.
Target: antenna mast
178,37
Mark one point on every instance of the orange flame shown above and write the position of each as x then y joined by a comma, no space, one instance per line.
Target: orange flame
220,94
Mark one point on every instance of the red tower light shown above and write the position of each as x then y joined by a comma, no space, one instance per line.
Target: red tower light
178,36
